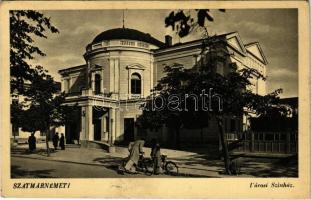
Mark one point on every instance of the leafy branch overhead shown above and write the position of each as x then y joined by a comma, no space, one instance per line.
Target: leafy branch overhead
183,23
25,25
41,106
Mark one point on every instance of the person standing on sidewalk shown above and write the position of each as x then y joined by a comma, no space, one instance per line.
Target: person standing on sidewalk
55,140
156,156
62,142
32,142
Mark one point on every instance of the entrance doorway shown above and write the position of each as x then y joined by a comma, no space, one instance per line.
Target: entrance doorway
72,133
97,129
128,129
98,114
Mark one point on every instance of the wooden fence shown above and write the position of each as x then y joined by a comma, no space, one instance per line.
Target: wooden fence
265,142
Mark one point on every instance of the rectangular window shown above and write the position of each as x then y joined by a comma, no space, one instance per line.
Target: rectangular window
136,86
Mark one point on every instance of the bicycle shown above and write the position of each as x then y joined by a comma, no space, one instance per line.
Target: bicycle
169,167
144,165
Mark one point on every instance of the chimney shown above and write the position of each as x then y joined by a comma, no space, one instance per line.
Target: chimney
168,40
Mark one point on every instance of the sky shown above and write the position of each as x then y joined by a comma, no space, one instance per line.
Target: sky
275,29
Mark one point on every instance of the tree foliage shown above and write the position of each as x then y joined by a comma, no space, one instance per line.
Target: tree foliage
184,23
230,95
42,103
25,25
34,84
41,106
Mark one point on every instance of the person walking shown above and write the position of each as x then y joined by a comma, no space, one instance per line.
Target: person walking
55,140
32,142
135,149
62,142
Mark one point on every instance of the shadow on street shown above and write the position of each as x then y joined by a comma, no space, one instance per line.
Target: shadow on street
252,166
42,152
18,172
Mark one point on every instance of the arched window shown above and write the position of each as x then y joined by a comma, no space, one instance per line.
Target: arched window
97,84
135,83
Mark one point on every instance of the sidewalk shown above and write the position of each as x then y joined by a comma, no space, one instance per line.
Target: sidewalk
111,160
190,164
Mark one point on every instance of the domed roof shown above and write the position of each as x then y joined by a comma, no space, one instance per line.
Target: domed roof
126,33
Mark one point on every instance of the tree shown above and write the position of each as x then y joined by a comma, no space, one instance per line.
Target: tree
184,22
41,107
43,104
170,103
24,26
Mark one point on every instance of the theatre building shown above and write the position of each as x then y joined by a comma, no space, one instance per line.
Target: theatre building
122,66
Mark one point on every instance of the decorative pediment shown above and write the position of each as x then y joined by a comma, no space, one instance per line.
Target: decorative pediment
235,41
96,67
255,50
136,66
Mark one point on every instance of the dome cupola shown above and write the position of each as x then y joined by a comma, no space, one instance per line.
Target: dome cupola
126,33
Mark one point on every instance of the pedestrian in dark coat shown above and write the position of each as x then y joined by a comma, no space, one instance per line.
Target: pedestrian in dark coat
55,140
156,156
32,142
62,142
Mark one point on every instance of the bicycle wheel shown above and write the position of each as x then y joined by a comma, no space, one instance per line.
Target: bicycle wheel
121,168
148,166
171,168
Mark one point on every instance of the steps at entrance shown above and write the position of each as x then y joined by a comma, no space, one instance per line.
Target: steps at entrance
99,145
73,145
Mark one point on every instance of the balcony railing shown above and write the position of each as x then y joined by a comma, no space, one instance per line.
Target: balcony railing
135,96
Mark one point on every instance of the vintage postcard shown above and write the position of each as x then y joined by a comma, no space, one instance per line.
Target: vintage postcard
172,99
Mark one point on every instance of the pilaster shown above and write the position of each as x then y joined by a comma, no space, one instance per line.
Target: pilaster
112,129
87,131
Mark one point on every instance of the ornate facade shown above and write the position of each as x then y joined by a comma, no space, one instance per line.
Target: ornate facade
122,67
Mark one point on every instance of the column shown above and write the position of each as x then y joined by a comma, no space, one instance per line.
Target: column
102,80
62,86
116,76
129,84
112,122
87,75
142,86
103,127
89,122
111,75
87,133
151,76
83,133
69,84
117,123
93,82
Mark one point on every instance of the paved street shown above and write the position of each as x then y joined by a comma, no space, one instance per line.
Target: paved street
34,168
97,163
